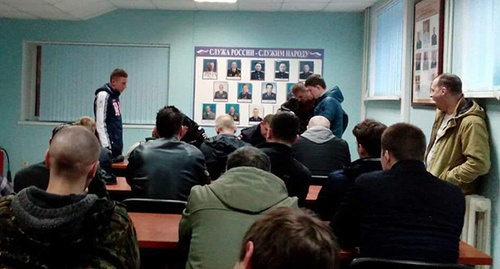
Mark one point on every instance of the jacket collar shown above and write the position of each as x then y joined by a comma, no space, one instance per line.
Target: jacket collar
409,166
282,148
111,90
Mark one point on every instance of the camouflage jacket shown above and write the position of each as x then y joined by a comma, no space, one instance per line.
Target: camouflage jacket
105,239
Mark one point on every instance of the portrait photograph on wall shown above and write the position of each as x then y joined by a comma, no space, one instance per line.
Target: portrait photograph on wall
209,111
258,71
268,92
245,92
428,48
256,113
306,69
221,89
234,69
233,110
282,70
210,69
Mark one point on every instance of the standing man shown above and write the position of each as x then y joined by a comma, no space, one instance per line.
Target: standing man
302,105
108,115
458,150
327,103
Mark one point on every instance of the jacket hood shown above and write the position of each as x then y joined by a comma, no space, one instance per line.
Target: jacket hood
471,108
335,93
223,143
318,134
107,88
49,216
249,189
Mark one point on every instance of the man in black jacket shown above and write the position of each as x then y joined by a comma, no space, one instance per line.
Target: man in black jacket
368,134
403,212
256,134
281,135
319,150
217,148
166,168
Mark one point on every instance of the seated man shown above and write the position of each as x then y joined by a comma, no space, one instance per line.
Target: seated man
38,174
302,242
63,227
319,150
281,135
218,147
256,135
166,168
217,215
368,134
403,212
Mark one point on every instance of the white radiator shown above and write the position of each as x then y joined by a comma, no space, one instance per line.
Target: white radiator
477,223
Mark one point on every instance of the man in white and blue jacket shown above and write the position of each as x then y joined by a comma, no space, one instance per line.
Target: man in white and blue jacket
108,116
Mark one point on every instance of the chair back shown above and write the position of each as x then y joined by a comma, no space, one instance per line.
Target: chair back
154,205
375,263
318,180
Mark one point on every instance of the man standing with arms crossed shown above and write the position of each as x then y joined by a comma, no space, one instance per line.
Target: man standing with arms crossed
458,150
108,116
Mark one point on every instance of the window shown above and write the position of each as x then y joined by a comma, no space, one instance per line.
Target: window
386,50
476,53
66,76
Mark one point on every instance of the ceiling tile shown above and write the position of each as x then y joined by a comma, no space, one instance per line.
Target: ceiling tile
37,8
17,2
216,6
347,6
133,4
5,7
93,10
69,5
259,6
315,6
16,15
174,4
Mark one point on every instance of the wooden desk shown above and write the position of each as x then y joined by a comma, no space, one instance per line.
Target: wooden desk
161,231
120,165
121,187
312,196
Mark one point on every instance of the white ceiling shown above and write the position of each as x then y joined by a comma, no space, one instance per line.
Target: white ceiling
86,9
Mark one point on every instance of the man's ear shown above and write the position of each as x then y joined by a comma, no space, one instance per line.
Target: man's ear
217,130
296,140
270,134
247,260
47,159
235,130
154,133
183,131
93,170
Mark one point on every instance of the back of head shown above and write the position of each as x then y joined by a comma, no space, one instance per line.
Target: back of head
451,82
368,133
290,238
224,122
169,121
86,122
319,121
118,73
315,80
404,141
268,119
249,157
73,150
285,126
299,87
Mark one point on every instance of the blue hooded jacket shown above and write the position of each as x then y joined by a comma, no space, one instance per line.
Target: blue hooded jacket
328,106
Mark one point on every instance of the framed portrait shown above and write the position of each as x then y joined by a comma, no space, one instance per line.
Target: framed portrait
258,71
282,70
221,89
245,92
209,69
428,46
256,113
306,68
209,112
233,69
289,94
233,110
268,92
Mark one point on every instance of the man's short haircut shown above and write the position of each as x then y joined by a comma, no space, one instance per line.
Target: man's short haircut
368,134
451,82
268,119
299,87
72,150
60,127
315,80
319,121
86,122
224,122
169,121
118,73
250,157
285,126
269,84
404,141
291,238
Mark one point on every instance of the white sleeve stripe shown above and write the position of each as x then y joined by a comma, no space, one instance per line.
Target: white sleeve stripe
100,114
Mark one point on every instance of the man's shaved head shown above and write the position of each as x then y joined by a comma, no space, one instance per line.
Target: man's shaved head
224,122
319,121
73,151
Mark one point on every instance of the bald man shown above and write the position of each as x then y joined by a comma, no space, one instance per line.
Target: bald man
319,150
217,148
64,227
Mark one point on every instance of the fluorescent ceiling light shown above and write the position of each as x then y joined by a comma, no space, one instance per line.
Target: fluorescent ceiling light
217,1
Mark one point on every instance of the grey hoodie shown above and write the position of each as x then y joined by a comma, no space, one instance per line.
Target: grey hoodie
318,134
